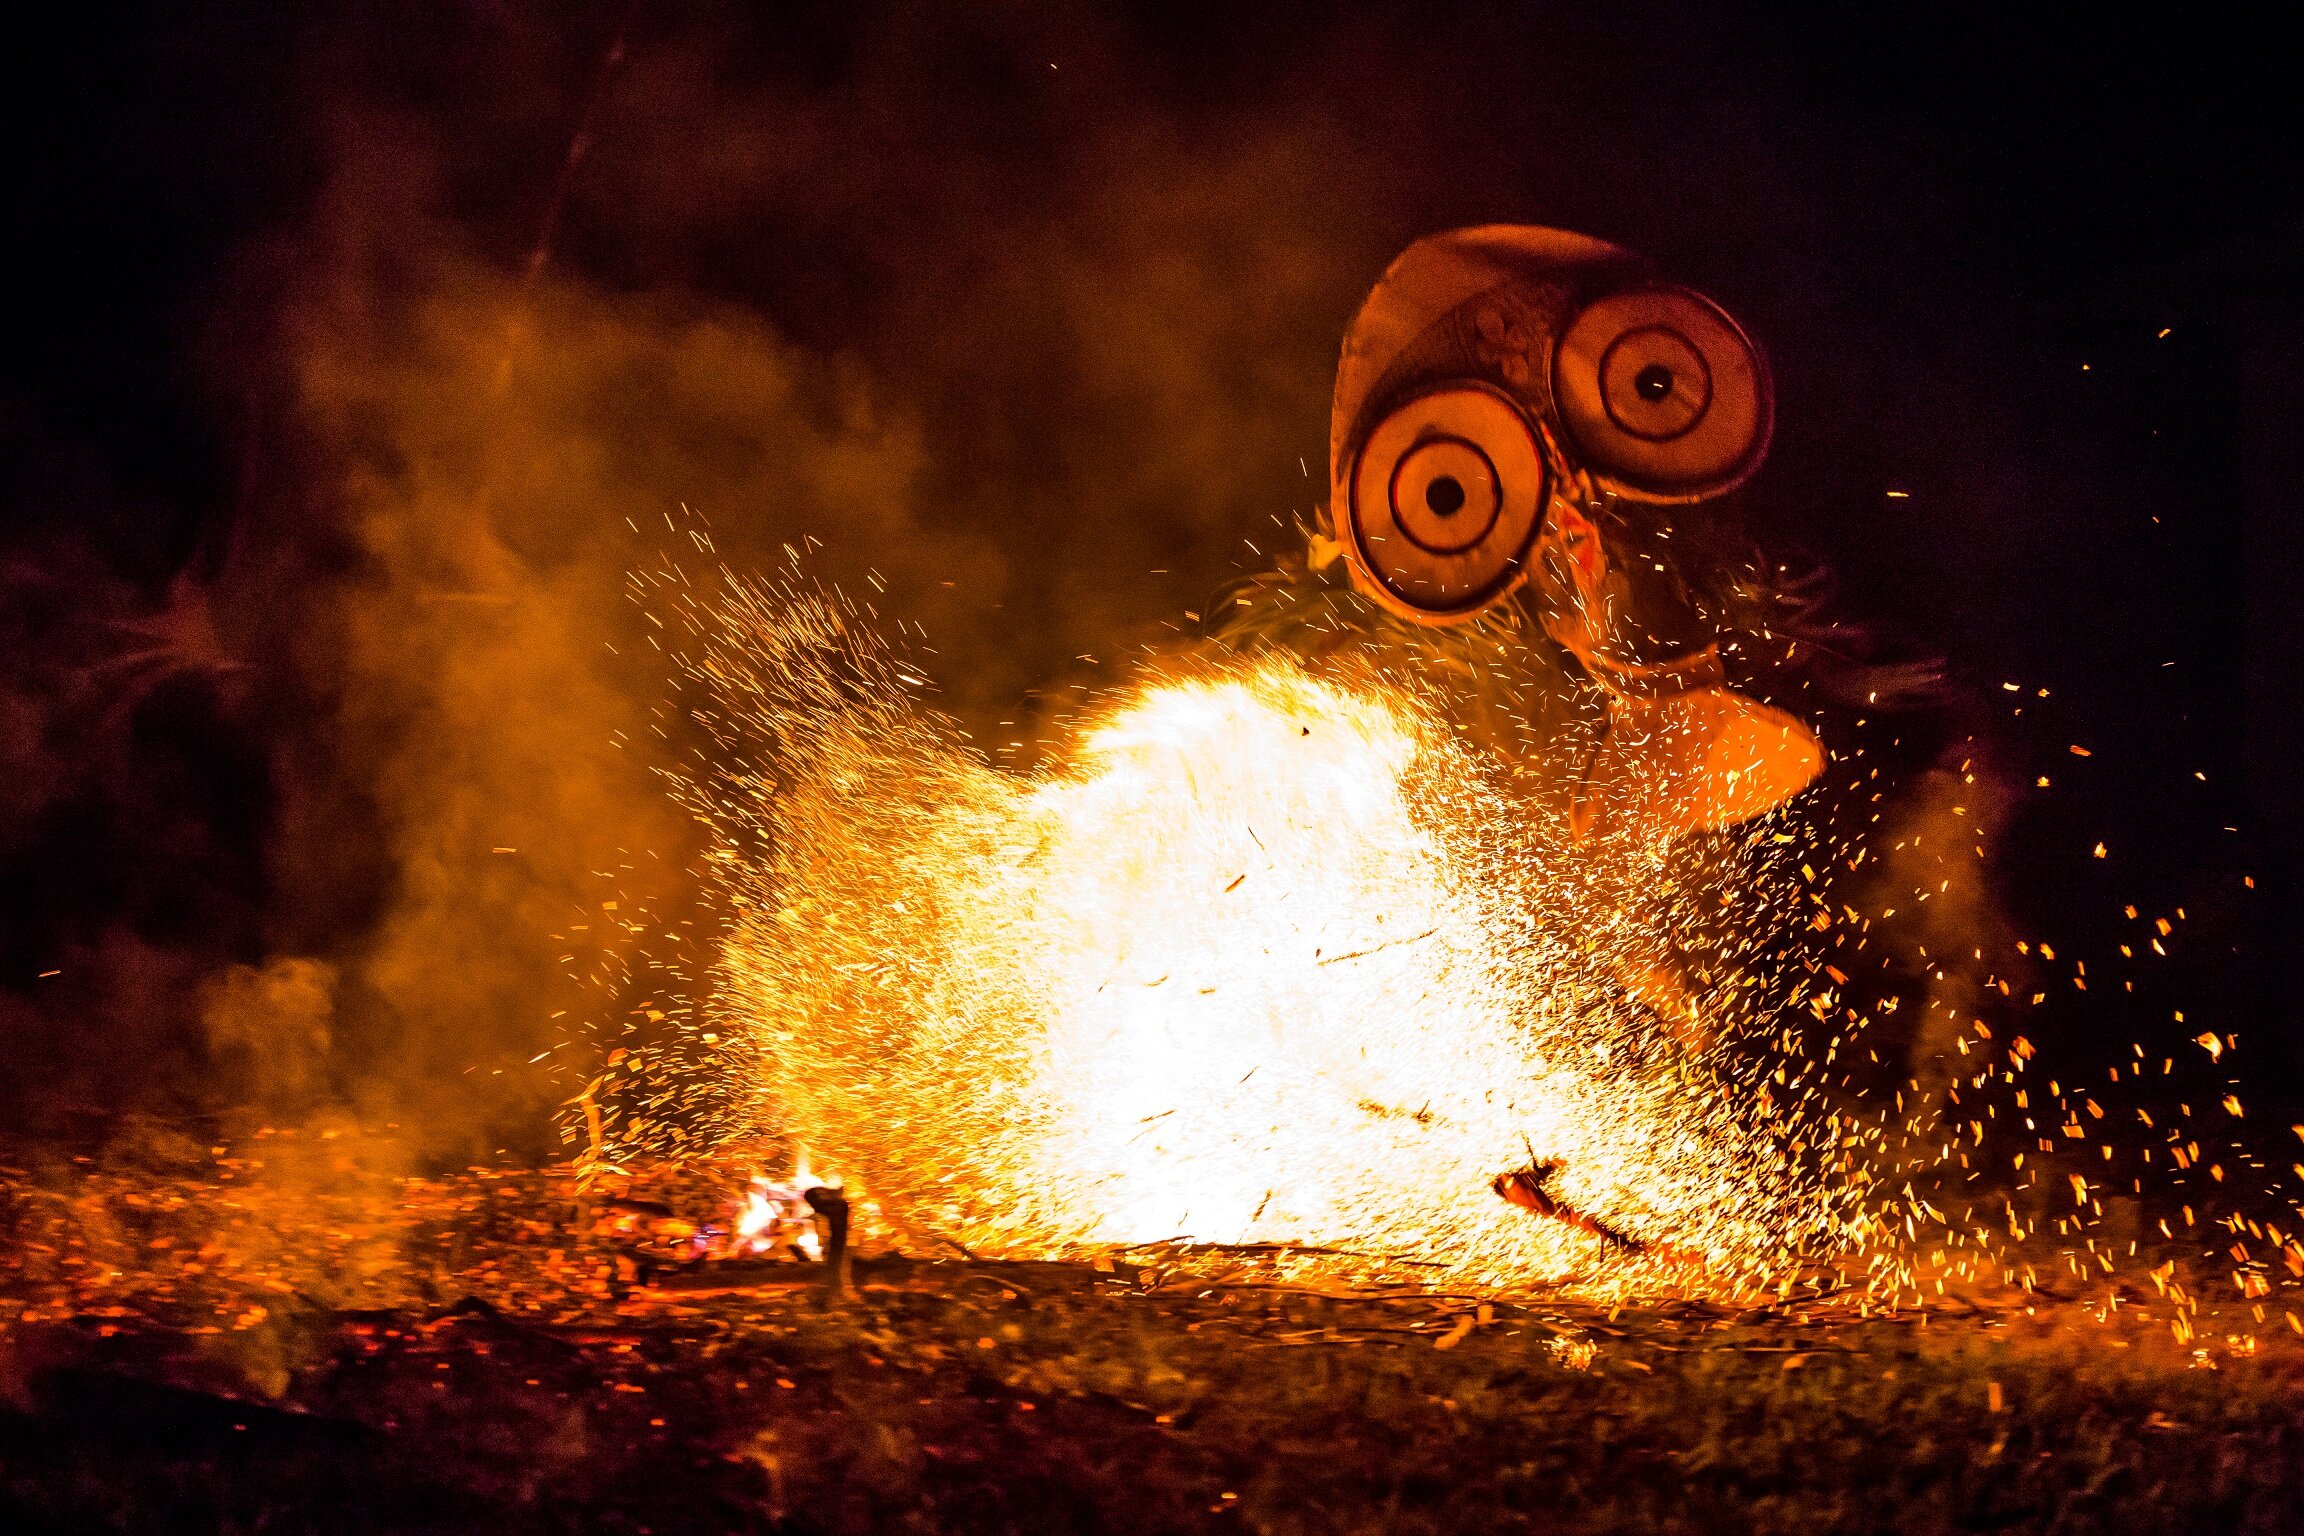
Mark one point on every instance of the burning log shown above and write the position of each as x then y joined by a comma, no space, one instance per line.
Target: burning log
1525,1189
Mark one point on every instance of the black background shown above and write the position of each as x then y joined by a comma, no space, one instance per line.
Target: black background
2035,267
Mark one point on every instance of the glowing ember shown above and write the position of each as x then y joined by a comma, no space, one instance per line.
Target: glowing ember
1265,957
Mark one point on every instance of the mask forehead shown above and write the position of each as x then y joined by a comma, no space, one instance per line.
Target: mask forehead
1451,301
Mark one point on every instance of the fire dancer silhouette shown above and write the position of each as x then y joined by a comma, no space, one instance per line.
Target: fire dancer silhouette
1532,451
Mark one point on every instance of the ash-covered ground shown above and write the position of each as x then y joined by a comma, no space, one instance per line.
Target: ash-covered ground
288,1334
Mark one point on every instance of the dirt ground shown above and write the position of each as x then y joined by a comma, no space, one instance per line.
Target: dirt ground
297,1338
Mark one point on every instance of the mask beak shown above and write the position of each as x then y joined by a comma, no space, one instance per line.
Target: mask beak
1695,761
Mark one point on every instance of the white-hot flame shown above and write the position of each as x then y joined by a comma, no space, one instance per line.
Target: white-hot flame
1265,958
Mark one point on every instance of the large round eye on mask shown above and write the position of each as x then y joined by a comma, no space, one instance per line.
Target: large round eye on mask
1663,394
1445,502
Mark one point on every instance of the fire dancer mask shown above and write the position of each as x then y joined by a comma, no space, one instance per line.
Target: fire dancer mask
1500,388
1499,381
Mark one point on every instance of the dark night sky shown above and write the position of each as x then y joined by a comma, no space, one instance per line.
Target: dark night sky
1960,232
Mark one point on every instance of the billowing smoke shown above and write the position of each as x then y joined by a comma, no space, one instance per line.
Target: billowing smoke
1026,405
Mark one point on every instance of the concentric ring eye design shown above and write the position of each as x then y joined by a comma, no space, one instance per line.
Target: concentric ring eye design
1446,499
1663,394
1444,495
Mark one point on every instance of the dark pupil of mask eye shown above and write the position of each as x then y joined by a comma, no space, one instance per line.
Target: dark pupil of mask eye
1653,382
1444,495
